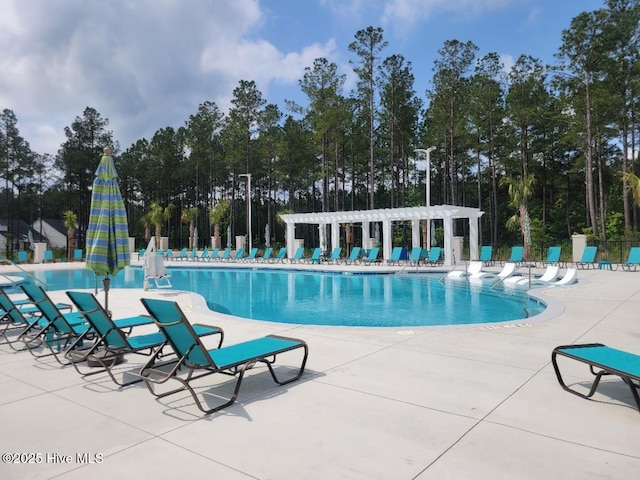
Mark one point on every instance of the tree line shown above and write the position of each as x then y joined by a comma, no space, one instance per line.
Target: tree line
548,149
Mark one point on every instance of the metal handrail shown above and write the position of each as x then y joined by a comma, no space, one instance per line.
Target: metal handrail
35,280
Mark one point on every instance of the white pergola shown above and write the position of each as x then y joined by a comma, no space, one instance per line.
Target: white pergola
386,216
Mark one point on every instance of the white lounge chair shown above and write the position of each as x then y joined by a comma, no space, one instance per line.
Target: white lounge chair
570,277
549,276
507,271
474,268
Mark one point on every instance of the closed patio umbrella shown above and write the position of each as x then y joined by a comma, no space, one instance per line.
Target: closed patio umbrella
108,232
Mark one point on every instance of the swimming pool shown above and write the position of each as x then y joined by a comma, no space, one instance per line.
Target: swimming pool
329,298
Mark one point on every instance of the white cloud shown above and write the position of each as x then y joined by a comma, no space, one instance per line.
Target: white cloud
143,64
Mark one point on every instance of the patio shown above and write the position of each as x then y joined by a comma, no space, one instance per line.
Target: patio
477,402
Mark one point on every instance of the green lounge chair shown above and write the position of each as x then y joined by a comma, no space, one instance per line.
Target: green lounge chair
194,361
297,257
633,260
588,259
394,259
111,341
372,256
606,360
486,254
354,256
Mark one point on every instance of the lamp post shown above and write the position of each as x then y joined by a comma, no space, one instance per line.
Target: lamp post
427,152
248,175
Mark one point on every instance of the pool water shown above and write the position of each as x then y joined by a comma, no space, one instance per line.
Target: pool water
314,298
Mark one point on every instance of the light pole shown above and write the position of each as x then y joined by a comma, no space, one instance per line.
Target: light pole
248,175
427,151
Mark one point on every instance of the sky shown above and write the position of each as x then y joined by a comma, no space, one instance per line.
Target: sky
148,64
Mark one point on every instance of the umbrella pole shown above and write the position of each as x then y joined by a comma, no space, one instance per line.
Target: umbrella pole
106,283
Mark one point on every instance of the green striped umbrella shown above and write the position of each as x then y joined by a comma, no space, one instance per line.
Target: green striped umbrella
108,233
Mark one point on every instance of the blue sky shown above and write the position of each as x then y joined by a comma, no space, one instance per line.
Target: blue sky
148,64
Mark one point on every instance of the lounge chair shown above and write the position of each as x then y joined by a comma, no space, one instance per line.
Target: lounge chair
194,361
203,255
182,254
297,257
78,255
588,259
570,277
266,256
252,255
633,260
168,254
48,256
238,256
550,275
315,256
394,259
517,254
372,256
602,360
111,341
435,256
553,257
192,255
507,271
354,256
226,255
486,254
474,267
56,332
213,254
23,257
281,257
336,253
18,315
415,256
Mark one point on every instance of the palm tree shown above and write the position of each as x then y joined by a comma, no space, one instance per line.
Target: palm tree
519,193
70,222
633,185
216,215
190,215
159,215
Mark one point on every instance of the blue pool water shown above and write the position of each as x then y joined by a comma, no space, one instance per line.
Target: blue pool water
329,298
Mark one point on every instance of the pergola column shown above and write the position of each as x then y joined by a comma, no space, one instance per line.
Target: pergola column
415,233
448,240
366,238
473,237
335,235
291,237
387,237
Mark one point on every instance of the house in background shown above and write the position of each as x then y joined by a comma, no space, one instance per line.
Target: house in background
54,231
17,232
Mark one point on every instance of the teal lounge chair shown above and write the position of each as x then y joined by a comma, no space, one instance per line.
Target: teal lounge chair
553,257
48,256
111,341
315,256
588,259
486,254
415,256
266,256
252,255
226,255
23,257
602,360
394,259
281,257
78,255
297,257
213,254
181,254
168,253
203,255
336,253
194,361
191,255
517,253
238,256
372,256
633,260
354,256
435,255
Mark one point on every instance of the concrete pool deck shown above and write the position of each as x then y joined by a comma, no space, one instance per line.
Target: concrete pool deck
478,401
